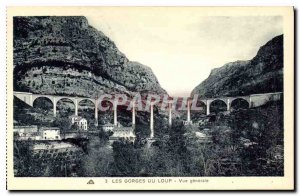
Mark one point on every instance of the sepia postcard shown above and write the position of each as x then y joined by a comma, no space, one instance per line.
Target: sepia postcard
150,98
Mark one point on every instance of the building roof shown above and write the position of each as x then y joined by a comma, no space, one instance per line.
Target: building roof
201,135
25,126
51,128
77,118
123,132
108,125
123,129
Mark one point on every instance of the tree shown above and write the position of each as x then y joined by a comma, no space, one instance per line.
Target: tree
63,123
25,165
202,156
126,159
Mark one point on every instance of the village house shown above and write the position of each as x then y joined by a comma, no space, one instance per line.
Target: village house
187,123
108,127
203,138
26,132
50,133
79,121
120,132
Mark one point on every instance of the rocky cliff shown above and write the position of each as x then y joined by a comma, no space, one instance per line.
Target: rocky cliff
262,74
65,55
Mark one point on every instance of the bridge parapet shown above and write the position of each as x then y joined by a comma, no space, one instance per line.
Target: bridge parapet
261,99
25,97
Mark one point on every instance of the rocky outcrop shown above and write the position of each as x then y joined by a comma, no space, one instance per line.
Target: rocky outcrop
64,55
262,74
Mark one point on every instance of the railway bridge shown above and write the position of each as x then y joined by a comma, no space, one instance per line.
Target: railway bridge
253,100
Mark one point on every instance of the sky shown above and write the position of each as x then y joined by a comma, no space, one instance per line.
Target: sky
183,46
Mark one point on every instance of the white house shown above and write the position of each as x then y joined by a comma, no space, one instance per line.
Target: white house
126,133
80,122
187,123
108,127
26,132
50,133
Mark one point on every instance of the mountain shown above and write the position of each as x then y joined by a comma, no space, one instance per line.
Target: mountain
66,56
262,74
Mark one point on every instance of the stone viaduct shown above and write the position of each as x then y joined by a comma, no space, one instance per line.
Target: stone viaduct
253,100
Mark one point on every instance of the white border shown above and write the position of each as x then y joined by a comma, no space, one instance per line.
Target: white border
3,5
